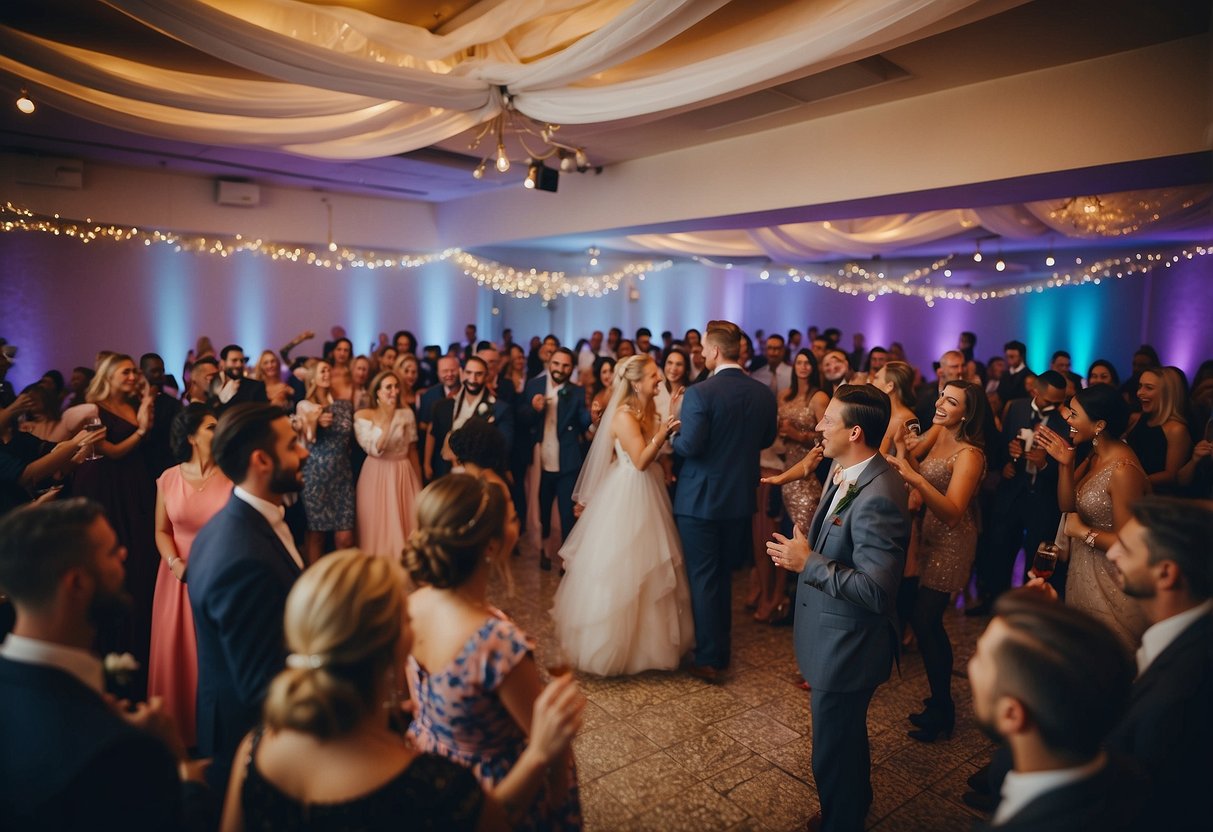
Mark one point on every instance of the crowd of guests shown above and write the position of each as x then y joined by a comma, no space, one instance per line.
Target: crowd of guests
185,522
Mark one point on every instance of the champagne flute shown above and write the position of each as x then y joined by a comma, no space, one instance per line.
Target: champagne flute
1045,562
556,660
93,424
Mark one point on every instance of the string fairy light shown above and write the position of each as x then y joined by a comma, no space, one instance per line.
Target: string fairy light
508,280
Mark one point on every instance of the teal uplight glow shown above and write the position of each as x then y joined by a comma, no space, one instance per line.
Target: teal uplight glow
1084,307
362,306
250,304
172,324
1042,328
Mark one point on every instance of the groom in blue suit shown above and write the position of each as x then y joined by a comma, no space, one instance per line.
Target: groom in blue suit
847,634
727,420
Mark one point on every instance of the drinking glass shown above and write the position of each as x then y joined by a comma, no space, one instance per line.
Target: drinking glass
556,660
93,424
1209,431
1045,562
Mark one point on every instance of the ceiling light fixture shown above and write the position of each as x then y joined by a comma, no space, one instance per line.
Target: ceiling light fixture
510,123
977,252
542,178
25,104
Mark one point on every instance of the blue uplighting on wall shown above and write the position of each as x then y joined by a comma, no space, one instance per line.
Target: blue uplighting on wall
172,318
438,292
250,305
362,307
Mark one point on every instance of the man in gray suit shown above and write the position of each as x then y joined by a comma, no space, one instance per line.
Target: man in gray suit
846,631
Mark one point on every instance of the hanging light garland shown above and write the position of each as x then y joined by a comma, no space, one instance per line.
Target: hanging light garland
508,280
850,279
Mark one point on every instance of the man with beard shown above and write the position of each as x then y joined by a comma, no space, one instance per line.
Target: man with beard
242,565
553,408
69,760
473,401
233,387
1051,681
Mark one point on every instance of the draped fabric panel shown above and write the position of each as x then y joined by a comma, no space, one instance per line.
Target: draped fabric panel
1094,217
340,83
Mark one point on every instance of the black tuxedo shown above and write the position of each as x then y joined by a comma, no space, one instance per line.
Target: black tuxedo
68,762
1168,730
1014,385
572,421
497,412
250,390
1025,510
239,577
1111,800
157,447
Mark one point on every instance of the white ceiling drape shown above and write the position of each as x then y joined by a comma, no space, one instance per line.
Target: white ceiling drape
1095,217
339,83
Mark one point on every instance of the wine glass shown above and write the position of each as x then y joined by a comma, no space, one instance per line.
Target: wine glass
1045,562
556,660
93,424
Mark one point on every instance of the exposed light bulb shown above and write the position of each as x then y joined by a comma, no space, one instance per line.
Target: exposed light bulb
478,173
567,163
581,159
503,161
593,261
332,246
25,104
1000,265
977,257
1049,261
947,272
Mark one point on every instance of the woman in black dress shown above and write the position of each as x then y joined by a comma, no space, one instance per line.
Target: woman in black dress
1159,435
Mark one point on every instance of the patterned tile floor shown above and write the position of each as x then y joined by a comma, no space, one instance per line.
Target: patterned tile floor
666,751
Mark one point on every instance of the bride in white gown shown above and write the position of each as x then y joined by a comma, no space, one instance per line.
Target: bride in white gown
624,605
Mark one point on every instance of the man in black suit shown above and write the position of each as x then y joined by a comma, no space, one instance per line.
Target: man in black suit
242,565
846,628
448,387
1164,561
553,411
726,422
233,387
1051,681
1013,384
1025,505
69,759
157,450
473,401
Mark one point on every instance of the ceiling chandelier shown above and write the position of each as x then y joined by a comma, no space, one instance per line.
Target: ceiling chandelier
523,129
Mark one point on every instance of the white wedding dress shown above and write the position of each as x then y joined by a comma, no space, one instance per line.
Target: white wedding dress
624,605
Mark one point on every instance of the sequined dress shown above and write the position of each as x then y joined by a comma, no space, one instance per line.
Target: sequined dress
946,553
1092,585
800,497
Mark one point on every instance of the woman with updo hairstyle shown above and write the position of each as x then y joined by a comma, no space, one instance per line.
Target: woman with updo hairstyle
327,756
472,671
187,496
1098,494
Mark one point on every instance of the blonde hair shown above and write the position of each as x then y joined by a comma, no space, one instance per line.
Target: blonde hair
1170,396
627,372
99,389
259,375
309,384
457,517
342,624
406,358
901,375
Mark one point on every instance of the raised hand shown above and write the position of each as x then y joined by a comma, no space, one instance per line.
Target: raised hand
1054,445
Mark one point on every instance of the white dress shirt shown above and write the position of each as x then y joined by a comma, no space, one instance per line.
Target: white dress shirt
549,446
724,366
274,516
849,475
778,380
81,664
1020,789
1159,636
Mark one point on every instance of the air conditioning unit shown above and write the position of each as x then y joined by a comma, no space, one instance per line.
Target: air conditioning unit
238,192
49,171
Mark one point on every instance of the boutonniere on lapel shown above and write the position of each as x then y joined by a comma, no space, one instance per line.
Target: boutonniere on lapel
852,492
562,392
485,409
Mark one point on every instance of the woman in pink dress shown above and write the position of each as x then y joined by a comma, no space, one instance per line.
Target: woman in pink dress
391,476
187,496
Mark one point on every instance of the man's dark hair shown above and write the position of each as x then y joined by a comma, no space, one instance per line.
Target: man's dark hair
551,337
775,336
1180,531
615,331
971,337
1016,345
793,333
867,407
208,360
643,331
1071,673
149,356
230,348
485,345
40,543
568,352
56,378
185,425
242,429
689,331
665,333
1150,353
1059,354
477,359
1052,378
833,335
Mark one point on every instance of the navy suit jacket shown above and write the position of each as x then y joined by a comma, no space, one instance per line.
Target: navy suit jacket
1169,730
238,579
68,762
442,417
846,629
726,422
572,420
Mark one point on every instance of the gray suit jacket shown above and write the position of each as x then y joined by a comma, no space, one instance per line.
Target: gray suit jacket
847,633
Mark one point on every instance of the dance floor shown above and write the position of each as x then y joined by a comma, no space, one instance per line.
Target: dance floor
666,751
